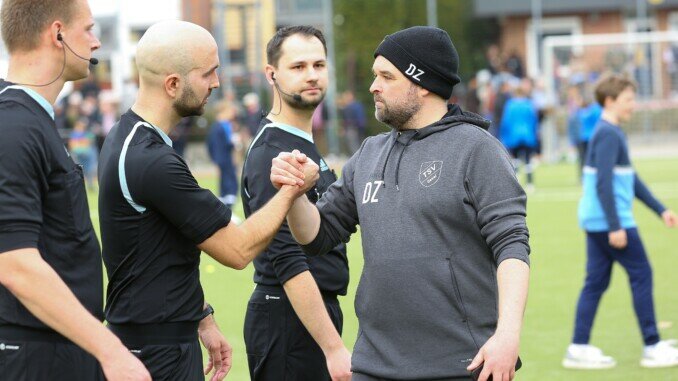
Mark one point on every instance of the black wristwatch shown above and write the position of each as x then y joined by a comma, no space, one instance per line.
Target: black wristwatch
207,311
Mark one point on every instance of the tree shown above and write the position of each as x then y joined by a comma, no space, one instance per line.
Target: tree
361,25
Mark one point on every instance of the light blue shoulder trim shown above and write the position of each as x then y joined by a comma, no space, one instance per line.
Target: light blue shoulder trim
162,133
121,169
36,97
294,131
121,163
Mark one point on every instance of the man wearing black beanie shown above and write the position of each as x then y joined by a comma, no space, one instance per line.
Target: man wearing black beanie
442,219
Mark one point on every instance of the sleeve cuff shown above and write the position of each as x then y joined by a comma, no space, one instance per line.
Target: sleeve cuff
514,252
292,271
219,219
18,240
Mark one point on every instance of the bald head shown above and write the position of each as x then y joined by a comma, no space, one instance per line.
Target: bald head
173,47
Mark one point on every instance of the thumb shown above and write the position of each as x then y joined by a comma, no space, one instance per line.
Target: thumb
210,365
477,361
301,157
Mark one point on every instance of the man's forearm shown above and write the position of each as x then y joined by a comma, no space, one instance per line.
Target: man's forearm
236,246
40,289
303,220
305,297
513,281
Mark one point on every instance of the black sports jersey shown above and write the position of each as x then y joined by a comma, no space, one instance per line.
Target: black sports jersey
283,258
153,214
43,203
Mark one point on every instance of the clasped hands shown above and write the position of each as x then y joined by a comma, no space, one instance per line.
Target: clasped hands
294,169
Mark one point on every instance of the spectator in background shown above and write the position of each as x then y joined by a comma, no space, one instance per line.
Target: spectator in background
573,104
220,144
252,114
108,111
515,65
82,144
518,129
355,123
73,109
493,59
89,109
587,116
503,95
543,103
472,99
180,133
90,87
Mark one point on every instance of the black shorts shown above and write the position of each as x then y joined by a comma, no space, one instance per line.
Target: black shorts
46,360
170,351
180,362
279,348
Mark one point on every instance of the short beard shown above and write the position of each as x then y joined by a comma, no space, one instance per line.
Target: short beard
398,114
188,104
301,104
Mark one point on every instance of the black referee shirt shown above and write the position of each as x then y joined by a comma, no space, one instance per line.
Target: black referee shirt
43,203
153,214
283,258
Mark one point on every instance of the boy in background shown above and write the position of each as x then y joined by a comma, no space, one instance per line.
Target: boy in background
605,213
220,145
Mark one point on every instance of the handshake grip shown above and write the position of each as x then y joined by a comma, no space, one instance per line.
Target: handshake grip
294,169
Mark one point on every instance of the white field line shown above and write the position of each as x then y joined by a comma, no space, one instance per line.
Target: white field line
661,190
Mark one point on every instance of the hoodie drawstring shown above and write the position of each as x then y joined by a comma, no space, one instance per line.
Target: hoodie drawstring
383,170
400,158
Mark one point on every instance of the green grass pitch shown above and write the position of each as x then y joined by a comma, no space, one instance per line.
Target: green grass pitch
557,273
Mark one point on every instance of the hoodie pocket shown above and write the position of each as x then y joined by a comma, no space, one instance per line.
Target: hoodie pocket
460,300
410,315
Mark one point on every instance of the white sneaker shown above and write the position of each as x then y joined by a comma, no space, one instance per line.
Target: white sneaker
584,356
660,355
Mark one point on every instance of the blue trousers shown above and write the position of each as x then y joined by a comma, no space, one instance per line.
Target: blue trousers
600,257
228,184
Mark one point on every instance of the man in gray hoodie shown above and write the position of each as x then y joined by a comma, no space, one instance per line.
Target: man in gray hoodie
442,217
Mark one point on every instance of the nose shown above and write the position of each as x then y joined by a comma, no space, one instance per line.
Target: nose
96,44
313,74
374,87
215,80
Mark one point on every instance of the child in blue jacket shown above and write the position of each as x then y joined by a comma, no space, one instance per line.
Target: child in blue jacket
518,129
605,213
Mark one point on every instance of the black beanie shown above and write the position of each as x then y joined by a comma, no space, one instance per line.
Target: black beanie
425,55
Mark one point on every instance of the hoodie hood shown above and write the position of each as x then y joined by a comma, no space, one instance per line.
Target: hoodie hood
454,116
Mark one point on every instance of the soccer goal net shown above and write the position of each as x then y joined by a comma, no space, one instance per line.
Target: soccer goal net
573,64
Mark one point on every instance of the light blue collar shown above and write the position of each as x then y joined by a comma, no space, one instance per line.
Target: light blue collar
292,130
163,135
37,97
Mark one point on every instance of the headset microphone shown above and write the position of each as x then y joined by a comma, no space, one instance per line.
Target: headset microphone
296,97
92,60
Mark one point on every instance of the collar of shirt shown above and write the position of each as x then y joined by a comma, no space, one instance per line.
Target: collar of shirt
36,97
162,134
292,130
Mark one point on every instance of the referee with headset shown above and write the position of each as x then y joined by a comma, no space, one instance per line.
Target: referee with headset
50,262
294,321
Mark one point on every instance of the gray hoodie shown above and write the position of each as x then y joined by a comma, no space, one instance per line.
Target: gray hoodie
439,208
